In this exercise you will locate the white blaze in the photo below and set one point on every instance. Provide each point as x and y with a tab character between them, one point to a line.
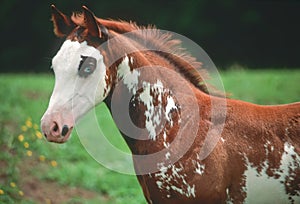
71	89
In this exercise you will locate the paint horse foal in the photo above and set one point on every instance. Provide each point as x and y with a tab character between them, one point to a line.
256	160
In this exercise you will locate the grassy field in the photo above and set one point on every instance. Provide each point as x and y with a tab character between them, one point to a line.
35	171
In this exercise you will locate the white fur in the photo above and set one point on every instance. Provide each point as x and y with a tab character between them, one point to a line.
130	78
199	168
153	113
261	188
175	180
170	106
72	92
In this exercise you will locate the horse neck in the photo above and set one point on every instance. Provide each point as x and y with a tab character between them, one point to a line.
150	81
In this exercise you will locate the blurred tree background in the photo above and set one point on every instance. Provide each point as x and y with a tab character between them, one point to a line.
253	33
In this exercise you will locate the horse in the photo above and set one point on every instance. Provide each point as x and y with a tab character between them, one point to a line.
256	158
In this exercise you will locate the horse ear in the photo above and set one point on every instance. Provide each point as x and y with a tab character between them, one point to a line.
104	32
62	24
94	27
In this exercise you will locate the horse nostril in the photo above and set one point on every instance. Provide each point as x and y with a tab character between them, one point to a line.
55	127
64	130
45	135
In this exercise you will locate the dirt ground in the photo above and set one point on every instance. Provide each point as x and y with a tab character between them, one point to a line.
49	192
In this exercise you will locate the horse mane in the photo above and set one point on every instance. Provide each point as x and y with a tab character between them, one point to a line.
170	48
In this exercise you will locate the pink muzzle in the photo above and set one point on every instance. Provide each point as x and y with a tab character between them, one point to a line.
57	128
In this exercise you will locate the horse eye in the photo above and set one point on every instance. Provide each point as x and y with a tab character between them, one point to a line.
87	66
87	69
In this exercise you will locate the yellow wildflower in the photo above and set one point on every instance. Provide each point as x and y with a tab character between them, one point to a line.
38	134
42	158
21	138
28	123
21	193
24	128
35	126
29	153
1	192
53	163
13	184
26	145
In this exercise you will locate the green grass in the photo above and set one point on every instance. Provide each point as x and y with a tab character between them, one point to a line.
25	98
263	86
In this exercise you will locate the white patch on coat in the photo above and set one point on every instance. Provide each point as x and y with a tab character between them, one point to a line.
165	143
173	178
147	99
228	198
170	106
159	184
261	188
167	155
153	113
130	77
266	146
154	121
200	168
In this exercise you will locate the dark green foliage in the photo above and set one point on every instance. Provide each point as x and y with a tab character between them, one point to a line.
252	33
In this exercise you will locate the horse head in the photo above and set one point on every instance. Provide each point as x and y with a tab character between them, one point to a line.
81	79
